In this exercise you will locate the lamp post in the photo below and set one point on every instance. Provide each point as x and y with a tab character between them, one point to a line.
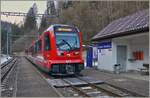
8	40
7	43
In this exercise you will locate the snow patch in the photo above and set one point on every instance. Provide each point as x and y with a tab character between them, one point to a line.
4	58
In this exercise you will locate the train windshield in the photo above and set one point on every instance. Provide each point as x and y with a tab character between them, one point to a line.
67	41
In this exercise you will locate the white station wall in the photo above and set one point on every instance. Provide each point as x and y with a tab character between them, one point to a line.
139	43
133	43
107	58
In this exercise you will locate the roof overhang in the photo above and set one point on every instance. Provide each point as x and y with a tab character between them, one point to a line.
131	32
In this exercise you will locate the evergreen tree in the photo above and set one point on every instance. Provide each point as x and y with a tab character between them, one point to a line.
30	21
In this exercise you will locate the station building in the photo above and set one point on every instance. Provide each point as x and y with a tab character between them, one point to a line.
124	41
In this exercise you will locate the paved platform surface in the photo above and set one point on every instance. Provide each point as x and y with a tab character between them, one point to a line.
30	83
135	85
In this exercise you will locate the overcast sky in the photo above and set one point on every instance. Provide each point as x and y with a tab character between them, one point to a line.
20	6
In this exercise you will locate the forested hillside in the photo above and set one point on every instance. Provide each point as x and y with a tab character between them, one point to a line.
93	16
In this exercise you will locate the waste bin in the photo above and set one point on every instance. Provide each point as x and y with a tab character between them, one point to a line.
117	68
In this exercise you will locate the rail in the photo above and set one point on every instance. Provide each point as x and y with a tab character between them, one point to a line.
113	90
6	63
77	89
5	69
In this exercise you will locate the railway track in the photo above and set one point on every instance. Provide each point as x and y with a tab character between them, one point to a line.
84	91
8	76
99	90
6	68
6	63
90	89
108	89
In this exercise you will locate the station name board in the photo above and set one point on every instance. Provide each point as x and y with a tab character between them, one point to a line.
105	45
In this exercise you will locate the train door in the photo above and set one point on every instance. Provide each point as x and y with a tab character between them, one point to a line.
47	45
39	46
122	57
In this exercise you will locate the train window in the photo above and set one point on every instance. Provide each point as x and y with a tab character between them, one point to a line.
46	42
39	45
36	47
67	41
32	49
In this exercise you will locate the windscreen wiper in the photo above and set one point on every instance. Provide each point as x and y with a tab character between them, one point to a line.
67	43
64	42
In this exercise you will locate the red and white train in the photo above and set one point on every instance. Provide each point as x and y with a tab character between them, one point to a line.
58	50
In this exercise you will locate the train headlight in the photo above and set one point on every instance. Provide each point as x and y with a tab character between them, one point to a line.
60	53
76	53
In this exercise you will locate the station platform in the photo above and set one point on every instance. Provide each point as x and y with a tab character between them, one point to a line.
137	86
30	83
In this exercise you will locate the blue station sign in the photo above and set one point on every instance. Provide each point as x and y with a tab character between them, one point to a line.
104	45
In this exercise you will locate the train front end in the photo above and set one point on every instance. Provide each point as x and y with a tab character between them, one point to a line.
67	58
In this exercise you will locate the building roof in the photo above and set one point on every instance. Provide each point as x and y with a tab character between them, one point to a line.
132	24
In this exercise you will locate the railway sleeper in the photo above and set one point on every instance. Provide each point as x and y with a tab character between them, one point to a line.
113	90
110	90
80	92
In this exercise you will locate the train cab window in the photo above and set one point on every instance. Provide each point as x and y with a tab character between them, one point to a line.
47	42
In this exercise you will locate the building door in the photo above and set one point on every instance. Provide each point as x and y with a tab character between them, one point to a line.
122	57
